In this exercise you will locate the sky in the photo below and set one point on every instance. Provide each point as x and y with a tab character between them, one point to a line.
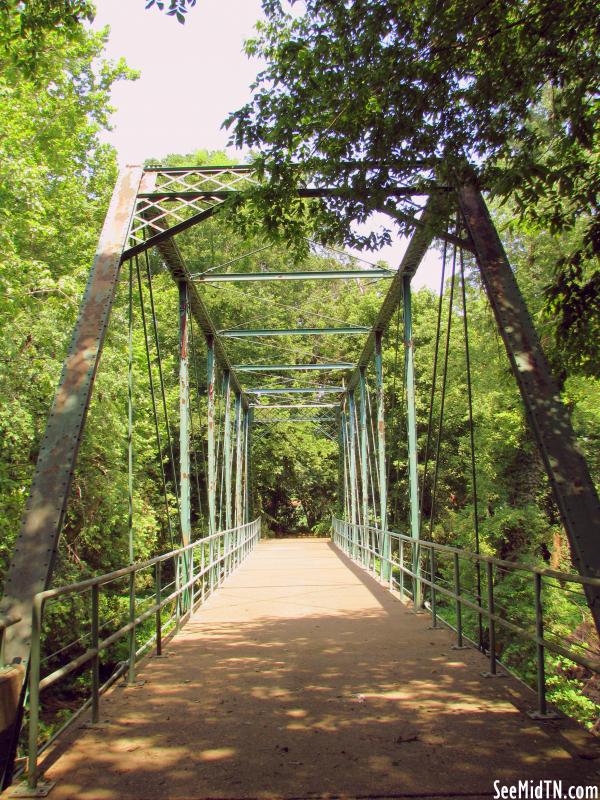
192	77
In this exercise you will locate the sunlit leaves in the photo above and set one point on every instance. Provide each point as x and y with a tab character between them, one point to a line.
174	8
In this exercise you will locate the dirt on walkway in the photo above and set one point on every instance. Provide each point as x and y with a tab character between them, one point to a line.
302	676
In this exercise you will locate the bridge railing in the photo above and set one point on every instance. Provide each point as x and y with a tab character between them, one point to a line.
159	593
431	573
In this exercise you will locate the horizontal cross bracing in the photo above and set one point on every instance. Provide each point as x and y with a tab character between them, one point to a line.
332	275
339	365
268	407
236	333
279	420
303	390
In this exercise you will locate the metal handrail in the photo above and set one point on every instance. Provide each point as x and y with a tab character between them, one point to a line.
220	554
350	537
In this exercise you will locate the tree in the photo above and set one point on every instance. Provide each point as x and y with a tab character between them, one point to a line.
175	8
368	94
55	182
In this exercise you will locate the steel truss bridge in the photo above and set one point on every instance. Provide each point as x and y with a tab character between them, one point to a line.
149	208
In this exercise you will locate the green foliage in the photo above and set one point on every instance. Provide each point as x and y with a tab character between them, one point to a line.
175	8
55	181
370	94
330	98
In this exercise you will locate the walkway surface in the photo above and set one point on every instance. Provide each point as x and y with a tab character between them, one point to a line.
302	676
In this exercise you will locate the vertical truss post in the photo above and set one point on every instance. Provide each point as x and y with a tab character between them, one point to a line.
184	416
385	539
239	453
211	466
353	480
413	478
549	420
250	510
245	513
347	490
227	449
184	438
131	639
340	484
364	464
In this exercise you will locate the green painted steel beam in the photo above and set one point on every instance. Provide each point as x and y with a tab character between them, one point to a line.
211	456
385	570
338	365
353	474
251	332
411	427
363	456
303	390
227	450
436	209
184	418
239	480
332	275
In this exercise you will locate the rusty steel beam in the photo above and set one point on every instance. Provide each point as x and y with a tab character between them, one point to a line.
31	566
549	420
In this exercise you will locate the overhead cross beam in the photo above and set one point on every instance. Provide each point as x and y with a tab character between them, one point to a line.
331	275
259	407
296	390
240	333
339	365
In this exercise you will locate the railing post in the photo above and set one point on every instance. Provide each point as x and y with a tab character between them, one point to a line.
192	579
432	560
491	622
131	669
401	562
539	635
203	569
34	692
459	634
96	659
158	620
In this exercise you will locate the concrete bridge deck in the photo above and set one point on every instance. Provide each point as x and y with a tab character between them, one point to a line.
302	676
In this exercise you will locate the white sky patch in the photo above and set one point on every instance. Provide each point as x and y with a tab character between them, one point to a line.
192	77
